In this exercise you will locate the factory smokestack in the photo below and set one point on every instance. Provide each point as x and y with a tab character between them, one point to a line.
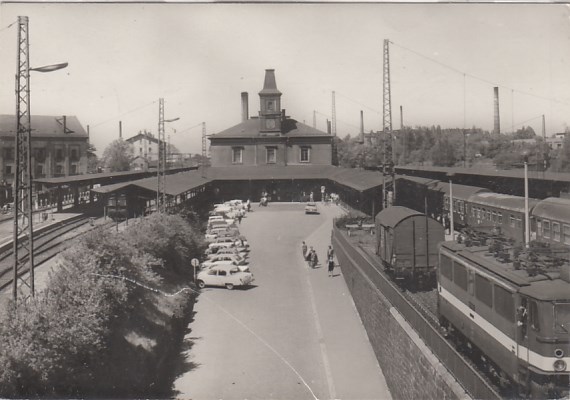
401	118
328	127
361	140
120	129
244	107
497	118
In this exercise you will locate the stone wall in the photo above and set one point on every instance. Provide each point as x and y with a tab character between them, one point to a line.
411	370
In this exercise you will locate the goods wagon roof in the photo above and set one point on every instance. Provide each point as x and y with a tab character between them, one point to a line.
553	208
460	191
419	180
392	216
499	200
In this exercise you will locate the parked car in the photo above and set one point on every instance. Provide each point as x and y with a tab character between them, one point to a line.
311	208
208	265
227	250
229	258
228	276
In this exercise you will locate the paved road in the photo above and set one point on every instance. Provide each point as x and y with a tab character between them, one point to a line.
294	335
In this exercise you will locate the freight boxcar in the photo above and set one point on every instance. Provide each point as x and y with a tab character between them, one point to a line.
407	243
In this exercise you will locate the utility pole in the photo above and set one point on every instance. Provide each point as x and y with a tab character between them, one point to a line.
204	148
388	186
315	119
333	114
23	242
161	173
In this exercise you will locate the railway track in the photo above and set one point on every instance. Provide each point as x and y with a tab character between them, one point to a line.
424	303
47	244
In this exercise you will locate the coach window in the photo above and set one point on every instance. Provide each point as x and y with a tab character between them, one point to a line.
445	267
556	231
566	233
511	220
494	216
460	276
504	303
500	218
539	227
483	290
533	314
546	229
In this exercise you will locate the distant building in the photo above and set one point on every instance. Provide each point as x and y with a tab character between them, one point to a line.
145	151
59	147
556	141
272	138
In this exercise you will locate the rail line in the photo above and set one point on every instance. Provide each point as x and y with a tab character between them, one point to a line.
417	312
47	244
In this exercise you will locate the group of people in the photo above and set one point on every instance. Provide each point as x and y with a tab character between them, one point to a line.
310	255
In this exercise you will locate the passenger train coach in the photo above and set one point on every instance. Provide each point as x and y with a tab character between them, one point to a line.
480	208
518	318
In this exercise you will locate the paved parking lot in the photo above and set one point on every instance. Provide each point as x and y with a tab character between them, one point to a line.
294	334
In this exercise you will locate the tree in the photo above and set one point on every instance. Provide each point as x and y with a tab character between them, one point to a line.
442	154
562	161
118	156
92	159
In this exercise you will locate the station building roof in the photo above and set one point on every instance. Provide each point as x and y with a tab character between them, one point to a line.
46	126
174	185
252	128
491	173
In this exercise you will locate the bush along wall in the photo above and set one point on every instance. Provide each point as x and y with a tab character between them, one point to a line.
106	324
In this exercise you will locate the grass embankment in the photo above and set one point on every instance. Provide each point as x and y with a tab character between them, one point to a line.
106	325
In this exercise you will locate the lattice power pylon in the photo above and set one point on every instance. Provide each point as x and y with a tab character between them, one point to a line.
23	239
388	186
161	173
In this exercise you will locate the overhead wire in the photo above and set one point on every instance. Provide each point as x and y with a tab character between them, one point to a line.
9	26
477	77
126	113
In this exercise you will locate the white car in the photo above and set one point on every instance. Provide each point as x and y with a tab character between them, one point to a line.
226	250
208	264
216	258
311	208
225	276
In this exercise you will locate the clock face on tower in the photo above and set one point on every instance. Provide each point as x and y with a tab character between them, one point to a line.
270	123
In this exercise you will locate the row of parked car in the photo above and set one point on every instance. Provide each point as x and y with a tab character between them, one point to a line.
226	258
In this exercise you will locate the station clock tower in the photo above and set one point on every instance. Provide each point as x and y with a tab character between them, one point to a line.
270	111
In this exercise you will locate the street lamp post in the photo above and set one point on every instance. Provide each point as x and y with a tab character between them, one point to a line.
526	212
451	225
23	244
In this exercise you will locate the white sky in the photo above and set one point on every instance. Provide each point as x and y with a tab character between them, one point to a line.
200	57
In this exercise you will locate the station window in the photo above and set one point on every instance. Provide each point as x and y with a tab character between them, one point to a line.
483	290
8	170
504	303
237	155
271	155
74	154
58	154
556	231
9	153
445	267
566	233
546	229
305	155
460	276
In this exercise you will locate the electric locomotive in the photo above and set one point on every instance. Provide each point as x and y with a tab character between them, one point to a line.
513	310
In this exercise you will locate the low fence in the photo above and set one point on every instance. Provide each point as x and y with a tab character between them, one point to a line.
356	264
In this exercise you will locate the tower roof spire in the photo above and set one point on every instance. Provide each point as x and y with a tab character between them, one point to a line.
269	85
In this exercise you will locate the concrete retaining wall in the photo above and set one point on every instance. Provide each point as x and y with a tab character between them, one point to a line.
411	370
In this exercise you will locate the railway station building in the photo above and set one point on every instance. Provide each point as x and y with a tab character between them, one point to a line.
270	139
59	147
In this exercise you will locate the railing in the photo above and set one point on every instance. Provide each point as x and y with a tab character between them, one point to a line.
475	384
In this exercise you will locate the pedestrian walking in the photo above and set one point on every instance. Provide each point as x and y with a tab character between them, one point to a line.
331	266
330	252
304	249
311	197
239	217
313	258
